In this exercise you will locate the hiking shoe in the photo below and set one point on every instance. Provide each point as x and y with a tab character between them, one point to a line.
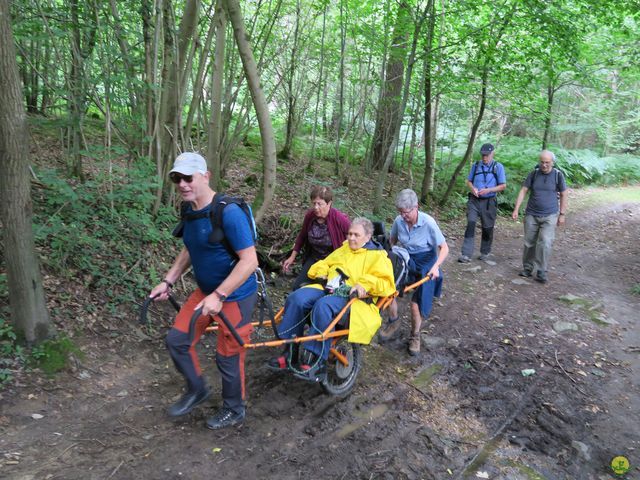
225	417
389	329
188	402
414	345
525	273
541	277
484	256
464	259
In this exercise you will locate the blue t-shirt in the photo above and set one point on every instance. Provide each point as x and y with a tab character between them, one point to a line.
211	262
482	176
424	236
543	199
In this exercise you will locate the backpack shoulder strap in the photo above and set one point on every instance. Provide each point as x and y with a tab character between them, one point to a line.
184	206
178	231
533	177
218	204
220	201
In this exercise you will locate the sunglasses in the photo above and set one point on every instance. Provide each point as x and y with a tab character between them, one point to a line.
177	177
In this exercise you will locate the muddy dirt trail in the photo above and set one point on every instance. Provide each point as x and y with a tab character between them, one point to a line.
462	409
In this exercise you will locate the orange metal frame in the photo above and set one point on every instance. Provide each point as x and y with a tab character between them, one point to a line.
382	304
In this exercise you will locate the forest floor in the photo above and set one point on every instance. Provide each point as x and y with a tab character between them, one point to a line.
462	408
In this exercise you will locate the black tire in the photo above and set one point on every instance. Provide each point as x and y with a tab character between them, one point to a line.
340	379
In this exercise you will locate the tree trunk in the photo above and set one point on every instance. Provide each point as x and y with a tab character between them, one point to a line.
472	136
200	75
429	134
547	121
382	175
338	122
83	38
291	98
170	106
217	75
126	59
320	82
46	89
29	313
265	195
149	64
389	107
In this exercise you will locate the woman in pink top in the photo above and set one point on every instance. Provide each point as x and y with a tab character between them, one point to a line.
324	229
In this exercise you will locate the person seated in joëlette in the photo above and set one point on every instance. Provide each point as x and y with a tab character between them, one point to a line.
360	267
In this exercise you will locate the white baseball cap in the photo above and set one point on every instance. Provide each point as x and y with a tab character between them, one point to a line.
189	163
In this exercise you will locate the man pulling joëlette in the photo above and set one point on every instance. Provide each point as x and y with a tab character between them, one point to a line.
226	283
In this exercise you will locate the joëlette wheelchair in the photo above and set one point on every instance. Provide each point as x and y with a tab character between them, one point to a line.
345	358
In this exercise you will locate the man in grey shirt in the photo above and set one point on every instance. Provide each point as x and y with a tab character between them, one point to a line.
543	213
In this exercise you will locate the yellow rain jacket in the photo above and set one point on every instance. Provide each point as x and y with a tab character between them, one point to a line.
369	267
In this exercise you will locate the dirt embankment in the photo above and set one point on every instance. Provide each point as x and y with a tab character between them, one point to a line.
462	408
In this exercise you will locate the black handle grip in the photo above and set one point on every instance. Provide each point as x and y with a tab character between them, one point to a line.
142	318
225	320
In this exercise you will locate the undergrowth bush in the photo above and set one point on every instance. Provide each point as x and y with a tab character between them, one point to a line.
52	356
11	352
103	230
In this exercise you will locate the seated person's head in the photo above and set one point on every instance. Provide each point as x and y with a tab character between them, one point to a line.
360	232
321	198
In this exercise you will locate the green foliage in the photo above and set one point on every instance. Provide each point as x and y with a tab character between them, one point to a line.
635	290
103	229
11	352
52	356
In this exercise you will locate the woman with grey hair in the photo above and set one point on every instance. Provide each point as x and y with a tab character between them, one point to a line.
406	199
420	235
360	267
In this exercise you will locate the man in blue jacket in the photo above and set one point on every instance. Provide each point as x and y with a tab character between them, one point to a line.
485	180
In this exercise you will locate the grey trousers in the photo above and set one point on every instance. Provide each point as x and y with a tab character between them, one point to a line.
485	210
539	234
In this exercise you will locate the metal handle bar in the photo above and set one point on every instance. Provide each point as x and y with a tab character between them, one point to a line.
142	318
225	320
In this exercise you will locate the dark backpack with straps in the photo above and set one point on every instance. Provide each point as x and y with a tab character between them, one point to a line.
557	172
220	201
493	171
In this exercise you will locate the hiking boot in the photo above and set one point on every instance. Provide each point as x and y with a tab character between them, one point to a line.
541	276
525	273
389	329
464	259
225	417
188	402
414	344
